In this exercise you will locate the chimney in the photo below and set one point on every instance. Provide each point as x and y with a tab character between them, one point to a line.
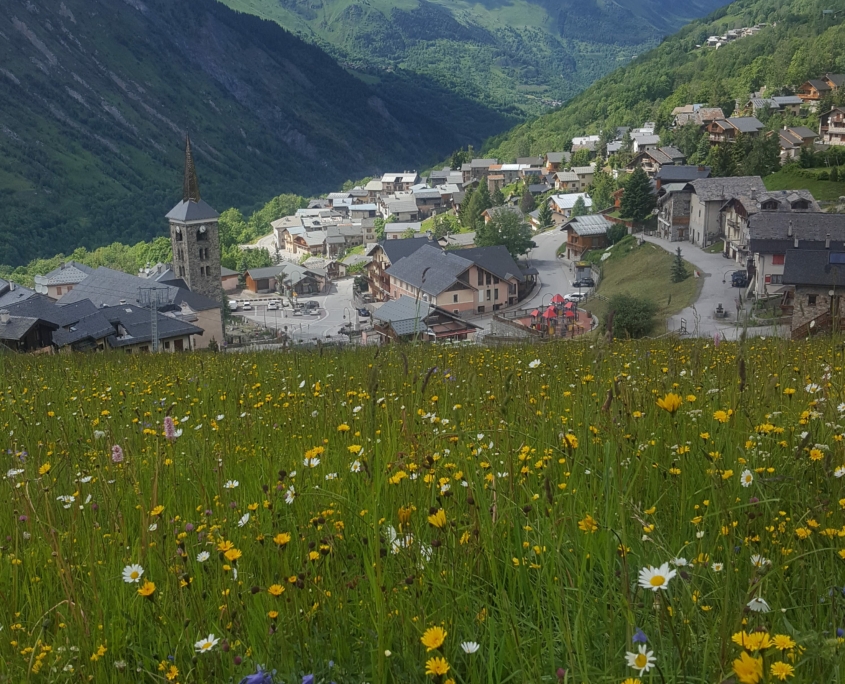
796	243
789	232
122	301
827	241
4	316
12	286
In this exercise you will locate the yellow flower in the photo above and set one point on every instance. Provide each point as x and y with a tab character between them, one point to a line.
570	440
281	539
789	391
147	589
748	669
273	614
172	673
721	416
436	667
44	469
405	514
438	520
224	545
588	525
158	510
433	638
816	454
671	402
782	642
781	670
232	555
755	641
690	398
631	680
343	427
275	590
705	436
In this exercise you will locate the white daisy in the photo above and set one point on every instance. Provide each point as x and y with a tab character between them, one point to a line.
311	462
205	645
14	472
534	363
331	476
132	573
656	578
812	388
290	495
746	478
153	527
759	561
66	499
470	646
679	562
643	660
355	467
202	556
231	484
244	520
717	567
839	472
759	605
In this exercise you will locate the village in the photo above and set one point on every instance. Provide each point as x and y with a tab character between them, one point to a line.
388	260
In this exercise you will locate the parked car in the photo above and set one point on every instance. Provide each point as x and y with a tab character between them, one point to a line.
233	305
363	313
574	297
584	282
739	279
368	298
246	306
310	306
273	306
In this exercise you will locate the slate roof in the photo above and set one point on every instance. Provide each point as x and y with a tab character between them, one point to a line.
539	188
430	269
804	132
746	124
496	259
819	85
401	227
768	231
681	173
646	140
405	315
106	287
493	212
92	327
224	272
136	322
265	272
787	100
10	296
461	239
593	224
399	249
836	79
567	176
568	201
402	206
186	212
711	189
44	308
17	327
483	163
68	273
813	267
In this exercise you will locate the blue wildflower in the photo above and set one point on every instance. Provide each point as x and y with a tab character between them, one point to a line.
308	679
639	637
261	676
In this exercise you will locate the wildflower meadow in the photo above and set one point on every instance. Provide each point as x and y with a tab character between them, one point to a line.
654	512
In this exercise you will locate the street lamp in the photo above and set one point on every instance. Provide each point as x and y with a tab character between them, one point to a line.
543	299
724	275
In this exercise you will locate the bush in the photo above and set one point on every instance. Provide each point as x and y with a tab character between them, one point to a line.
823	176
630	316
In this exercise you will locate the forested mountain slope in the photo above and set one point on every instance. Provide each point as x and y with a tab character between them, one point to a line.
97	96
802	40
517	55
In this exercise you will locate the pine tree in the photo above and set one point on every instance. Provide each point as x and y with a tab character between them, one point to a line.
545	217
638	200
527	203
579	208
497	198
679	271
721	162
834	174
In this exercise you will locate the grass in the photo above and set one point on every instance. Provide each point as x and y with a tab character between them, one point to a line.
789	180
318	513
645	271
716	247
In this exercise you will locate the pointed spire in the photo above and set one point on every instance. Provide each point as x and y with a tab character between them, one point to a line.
190	186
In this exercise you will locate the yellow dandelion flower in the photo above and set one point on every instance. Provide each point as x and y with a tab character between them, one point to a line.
438	519
433	638
670	403
436	667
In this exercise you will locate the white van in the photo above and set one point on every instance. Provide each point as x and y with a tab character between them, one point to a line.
233	305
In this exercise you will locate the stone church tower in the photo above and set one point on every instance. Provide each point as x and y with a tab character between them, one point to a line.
194	236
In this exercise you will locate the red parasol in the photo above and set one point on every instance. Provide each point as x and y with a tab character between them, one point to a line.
535	313
557	299
549	313
569	314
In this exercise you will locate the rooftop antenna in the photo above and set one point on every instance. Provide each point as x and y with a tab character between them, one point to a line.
150	299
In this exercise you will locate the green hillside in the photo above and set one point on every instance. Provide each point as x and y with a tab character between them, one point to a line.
97	97
520	56
802	40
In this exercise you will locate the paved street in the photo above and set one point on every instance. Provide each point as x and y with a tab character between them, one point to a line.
700	317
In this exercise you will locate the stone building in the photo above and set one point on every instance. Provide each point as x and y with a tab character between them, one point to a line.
818	278
194	236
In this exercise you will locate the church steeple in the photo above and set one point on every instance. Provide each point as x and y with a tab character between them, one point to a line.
190	185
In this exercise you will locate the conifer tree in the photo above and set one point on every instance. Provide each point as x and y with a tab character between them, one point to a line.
679	271
638	200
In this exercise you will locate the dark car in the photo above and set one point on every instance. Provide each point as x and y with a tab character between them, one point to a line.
363	313
310	305
739	279
584	282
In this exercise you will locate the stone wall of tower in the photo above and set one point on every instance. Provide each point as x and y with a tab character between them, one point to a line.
196	259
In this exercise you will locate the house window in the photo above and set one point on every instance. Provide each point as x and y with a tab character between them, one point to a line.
480	277
777	279
778	259
811	300
496	293
480	309
454	299
488	295
58	290
489	279
167	344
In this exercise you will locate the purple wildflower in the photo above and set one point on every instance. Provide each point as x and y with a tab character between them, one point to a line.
169	428
261	676
117	454
639	637
308	679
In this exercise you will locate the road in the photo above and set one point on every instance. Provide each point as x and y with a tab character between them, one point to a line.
699	318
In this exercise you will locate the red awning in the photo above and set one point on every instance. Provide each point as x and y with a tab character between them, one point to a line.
535	313
557	299
569	305
549	313
569	314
